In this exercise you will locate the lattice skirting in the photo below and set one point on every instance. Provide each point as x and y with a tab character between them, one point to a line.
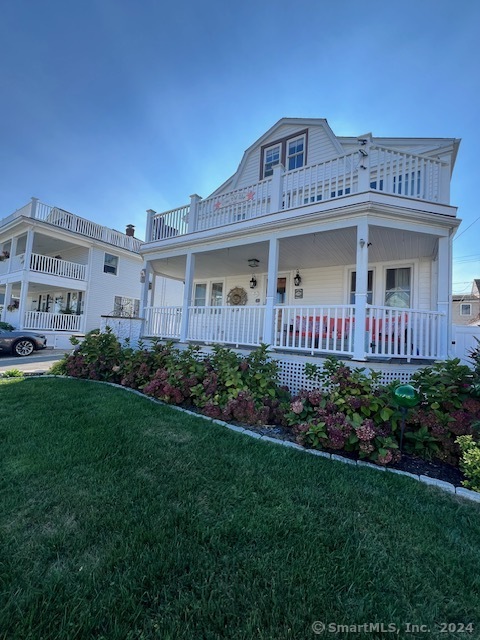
292	369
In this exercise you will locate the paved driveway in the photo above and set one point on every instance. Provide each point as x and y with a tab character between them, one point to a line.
39	362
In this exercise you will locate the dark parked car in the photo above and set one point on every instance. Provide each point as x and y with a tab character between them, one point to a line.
21	343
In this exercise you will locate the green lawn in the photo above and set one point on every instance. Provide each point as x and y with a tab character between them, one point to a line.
123	519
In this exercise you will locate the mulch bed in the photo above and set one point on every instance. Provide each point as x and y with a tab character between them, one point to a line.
411	464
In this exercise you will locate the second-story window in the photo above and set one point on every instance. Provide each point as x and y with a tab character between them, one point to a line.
466	310
296	149
291	152
110	264
272	158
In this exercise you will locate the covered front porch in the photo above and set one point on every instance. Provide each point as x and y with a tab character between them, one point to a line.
372	288
39	307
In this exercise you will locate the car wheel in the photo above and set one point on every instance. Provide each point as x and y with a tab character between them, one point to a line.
23	347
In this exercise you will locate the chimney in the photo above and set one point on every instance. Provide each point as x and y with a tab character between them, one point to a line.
130	230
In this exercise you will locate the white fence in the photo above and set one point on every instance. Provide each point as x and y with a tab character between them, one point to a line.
463	341
41	320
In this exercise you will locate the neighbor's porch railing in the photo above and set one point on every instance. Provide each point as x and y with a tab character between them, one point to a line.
57	267
41	320
372	168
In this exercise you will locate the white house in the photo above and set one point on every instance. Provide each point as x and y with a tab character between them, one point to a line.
59	273
318	244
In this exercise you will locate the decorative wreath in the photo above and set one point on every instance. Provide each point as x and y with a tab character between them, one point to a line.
237	296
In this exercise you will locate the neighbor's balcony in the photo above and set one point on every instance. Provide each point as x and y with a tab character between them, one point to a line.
41	320
389	332
71	222
373	168
45	264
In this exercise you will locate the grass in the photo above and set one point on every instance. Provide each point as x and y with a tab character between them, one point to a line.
122	519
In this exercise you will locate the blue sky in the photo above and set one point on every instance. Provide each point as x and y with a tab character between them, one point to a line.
112	107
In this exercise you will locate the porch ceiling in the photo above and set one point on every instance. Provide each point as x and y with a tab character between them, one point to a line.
330	248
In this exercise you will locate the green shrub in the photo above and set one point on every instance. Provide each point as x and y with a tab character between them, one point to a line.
350	412
449	408
13	373
59	368
470	461
6	326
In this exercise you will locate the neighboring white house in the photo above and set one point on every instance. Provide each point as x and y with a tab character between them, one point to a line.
59	273
318	244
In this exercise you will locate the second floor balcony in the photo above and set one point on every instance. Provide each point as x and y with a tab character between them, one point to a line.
45	265
371	168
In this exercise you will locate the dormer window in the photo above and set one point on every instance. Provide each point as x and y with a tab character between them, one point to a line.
272	158
291	152
296	151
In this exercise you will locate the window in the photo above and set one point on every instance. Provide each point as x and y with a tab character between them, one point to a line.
216	294
398	287
272	158
208	291
465	309
126	307
281	291
295	153
353	287
110	264
200	295
291	152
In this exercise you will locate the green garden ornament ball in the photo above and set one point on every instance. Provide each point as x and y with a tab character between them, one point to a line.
406	395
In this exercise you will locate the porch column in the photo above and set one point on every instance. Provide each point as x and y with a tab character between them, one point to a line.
444	287
149	228
361	291
8	297
28	251
187	295
276	198
13	251
192	215
22	304
364	163
144	303
269	320
33	208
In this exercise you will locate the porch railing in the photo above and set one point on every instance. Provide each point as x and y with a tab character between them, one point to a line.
227	325
388	332
57	267
163	322
378	169
326	329
41	320
404	333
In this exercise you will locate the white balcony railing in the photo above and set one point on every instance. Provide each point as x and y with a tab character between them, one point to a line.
57	267
72	222
378	169
41	320
389	332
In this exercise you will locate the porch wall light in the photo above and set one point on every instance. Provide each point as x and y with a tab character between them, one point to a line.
297	280
253	262
253	283
361	243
